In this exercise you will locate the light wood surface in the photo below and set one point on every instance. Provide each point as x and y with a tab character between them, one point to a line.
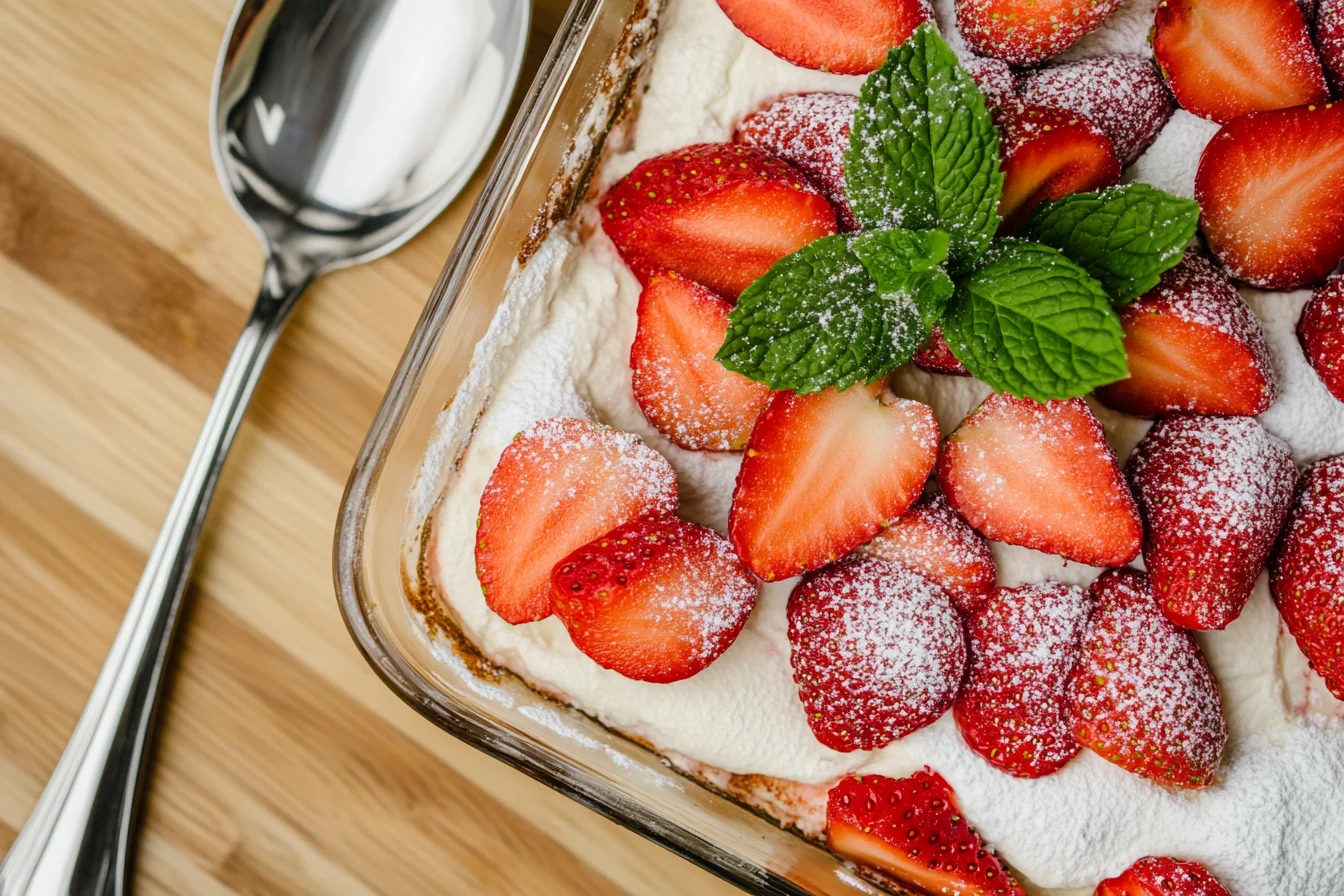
283	765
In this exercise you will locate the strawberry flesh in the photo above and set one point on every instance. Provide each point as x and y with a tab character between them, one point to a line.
1048	153
849	37
1321	332
1025	32
1162	876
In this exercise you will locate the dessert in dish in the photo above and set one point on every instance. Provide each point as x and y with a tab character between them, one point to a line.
768	346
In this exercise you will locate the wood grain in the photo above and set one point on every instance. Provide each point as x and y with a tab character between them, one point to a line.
283	765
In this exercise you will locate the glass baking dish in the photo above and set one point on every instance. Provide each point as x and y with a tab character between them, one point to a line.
538	179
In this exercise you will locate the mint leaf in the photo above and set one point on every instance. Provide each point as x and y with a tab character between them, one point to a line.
907	264
1124	236
923	151
1031	322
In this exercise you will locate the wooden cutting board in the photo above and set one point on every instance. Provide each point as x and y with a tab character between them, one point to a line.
283	765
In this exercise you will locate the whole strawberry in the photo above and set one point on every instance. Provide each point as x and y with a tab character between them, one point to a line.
1321	332
1162	876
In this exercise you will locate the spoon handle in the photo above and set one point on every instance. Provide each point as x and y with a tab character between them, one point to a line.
76	842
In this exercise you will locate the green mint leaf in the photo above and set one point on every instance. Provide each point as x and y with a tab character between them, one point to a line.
1124	236
1031	322
923	150
907	265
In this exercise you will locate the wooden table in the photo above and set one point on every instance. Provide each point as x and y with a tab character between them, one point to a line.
283	765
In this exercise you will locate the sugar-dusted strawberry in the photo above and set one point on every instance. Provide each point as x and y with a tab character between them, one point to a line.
718	213
561	483
1142	695
1048	153
849	37
694	400
824	473
1023	644
937	357
1122	95
912	829
1271	188
1193	345
1162	876
933	540
1213	493
1307	572
1041	476
657	599
996	81
1321	332
1329	31
1025	32
1224	58
810	130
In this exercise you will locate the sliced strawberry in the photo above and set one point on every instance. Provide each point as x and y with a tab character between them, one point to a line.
1271	187
1025	32
692	399
656	599
561	483
912	829
877	652
1321	332
1141	694
1023	644
1048	153
1041	476
1193	345
936	357
1306	575
995	79
1122	95
933	540
1329	30
849	37
824	473
810	130
1213	493
1224	58
718	213
1162	876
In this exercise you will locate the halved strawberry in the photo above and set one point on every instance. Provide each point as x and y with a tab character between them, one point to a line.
1329	31
1321	332
1141	694
558	485
1023	644
1162	876
1025	32
1193	345
996	81
692	399
1224	58
849	37
1213	493
1041	476
937	357
824	473
877	651
810	130
657	599
1271	188
912	829
1048	153
718	213
1306	575
933	540
1122	95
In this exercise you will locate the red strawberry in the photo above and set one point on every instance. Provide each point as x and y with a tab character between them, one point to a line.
1041	476
694	400
936	357
912	829
1329	32
1271	187
933	540
1321	332
561	483
1193	345
656	599
810	130
1141	694
1122	95
1162	876
718	213
995	79
1213	493
1224	58
1306	575
1025	32
877	652
824	473
849	37
1023	644
1048	153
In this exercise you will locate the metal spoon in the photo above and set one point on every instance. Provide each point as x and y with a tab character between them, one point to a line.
340	128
